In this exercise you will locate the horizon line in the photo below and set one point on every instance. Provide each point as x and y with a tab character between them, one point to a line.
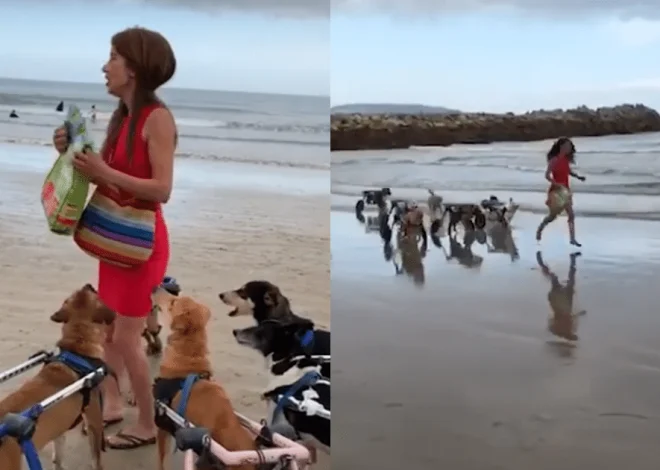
22	79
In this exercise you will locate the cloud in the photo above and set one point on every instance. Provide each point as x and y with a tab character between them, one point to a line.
566	9
636	32
282	8
296	8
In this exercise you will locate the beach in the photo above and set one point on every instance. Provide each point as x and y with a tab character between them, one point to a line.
461	369
229	223
463	360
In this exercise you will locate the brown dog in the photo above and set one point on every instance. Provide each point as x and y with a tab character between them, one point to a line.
208	404
83	317
412	224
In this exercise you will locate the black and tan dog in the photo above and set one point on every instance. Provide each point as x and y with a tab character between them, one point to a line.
265	303
261	300
83	317
279	343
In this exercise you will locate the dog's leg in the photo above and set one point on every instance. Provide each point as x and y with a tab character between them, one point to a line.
58	452
93	416
163	440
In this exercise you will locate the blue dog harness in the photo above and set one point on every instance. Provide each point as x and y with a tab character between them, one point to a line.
82	366
164	390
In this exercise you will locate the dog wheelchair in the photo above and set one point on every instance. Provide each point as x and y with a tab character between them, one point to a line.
372	197
275	451
477	215
22	426
199	448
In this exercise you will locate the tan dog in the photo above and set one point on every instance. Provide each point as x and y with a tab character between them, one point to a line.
412	224
83	317
208	404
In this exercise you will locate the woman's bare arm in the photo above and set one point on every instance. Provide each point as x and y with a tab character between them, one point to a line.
160	132
548	170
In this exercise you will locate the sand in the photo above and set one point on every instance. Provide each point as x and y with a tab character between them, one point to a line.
462	372
228	224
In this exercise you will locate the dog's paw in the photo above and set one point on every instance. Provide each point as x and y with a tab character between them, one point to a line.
58	451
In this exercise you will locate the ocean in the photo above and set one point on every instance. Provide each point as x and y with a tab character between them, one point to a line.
283	130
623	174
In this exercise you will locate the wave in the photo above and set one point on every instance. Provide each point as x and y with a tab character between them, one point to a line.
195	156
491	162
314	129
42	100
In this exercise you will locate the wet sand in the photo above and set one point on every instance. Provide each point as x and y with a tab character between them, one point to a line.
462	372
228	224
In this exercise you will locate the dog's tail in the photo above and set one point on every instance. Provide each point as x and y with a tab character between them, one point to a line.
431	192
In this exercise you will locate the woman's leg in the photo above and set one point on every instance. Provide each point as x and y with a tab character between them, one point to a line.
571	223
127	340
552	215
113	407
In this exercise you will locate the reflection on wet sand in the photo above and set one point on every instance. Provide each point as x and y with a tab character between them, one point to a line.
410	259
563	322
459	374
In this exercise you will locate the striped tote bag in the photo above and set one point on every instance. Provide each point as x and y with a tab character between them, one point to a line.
117	230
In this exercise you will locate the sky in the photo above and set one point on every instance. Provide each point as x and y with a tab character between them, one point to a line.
278	46
496	55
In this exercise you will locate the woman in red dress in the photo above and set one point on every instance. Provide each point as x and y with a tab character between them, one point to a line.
558	172
137	159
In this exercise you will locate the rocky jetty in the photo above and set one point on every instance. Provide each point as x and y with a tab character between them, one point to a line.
388	131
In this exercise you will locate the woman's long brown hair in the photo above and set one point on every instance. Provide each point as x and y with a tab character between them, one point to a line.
151	58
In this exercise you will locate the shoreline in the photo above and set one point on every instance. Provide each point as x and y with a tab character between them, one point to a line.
465	360
226	228
209	174
295	164
383	131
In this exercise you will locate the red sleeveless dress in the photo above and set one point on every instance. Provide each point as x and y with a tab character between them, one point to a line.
128	291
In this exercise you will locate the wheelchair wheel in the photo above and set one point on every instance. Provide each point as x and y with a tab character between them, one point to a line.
479	219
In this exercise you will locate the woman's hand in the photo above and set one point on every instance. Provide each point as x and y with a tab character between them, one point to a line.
61	139
92	165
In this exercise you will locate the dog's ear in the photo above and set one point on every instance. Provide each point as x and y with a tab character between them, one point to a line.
294	322
181	324
272	296
206	315
103	315
188	323
61	316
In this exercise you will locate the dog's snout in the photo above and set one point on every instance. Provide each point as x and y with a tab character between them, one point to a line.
235	332
222	296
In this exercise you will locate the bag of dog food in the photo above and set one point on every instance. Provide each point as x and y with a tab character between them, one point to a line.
64	192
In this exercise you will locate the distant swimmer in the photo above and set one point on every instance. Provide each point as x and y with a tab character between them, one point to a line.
92	113
60	107
13	114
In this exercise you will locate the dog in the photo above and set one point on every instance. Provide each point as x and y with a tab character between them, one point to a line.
83	317
154	344
434	203
376	197
412	224
279	343
261	300
264	302
208	405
